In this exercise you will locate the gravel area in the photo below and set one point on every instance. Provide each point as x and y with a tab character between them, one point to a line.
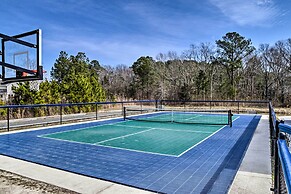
16	184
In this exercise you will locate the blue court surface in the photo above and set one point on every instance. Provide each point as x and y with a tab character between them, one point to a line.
138	158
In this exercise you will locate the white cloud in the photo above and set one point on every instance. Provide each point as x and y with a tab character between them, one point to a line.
164	20
248	12
111	51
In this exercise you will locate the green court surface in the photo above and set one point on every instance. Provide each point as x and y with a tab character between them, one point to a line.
151	137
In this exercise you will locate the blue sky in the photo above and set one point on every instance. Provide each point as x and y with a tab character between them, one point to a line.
120	31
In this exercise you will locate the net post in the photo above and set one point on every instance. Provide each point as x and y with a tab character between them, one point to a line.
230	118
124	113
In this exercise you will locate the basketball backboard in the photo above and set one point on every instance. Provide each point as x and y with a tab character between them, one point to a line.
21	57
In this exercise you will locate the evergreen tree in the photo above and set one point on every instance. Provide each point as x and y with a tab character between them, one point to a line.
78	78
23	94
143	68
232	50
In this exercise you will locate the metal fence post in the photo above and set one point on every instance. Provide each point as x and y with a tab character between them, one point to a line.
96	109
141	107
276	154
8	115
122	106
238	107
61	114
271	126
124	113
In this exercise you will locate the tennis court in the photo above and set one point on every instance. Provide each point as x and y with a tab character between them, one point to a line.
165	139
170	154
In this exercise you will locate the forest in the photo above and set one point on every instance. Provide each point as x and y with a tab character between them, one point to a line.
229	69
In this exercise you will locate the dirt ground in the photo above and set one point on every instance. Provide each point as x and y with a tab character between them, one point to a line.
16	184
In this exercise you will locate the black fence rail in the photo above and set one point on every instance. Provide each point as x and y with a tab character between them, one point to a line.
27	116
280	155
237	106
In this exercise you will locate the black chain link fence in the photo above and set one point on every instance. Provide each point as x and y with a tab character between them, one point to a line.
282	134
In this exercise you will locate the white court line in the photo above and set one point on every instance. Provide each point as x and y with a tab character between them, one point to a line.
69	130
131	134
193	117
65	125
80	123
94	144
185	131
201	141
155	153
166	129
98	143
133	150
71	141
235	118
79	129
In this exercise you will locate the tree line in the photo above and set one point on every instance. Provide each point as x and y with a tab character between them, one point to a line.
230	69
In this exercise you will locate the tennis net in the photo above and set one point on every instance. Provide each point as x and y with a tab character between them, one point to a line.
189	116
